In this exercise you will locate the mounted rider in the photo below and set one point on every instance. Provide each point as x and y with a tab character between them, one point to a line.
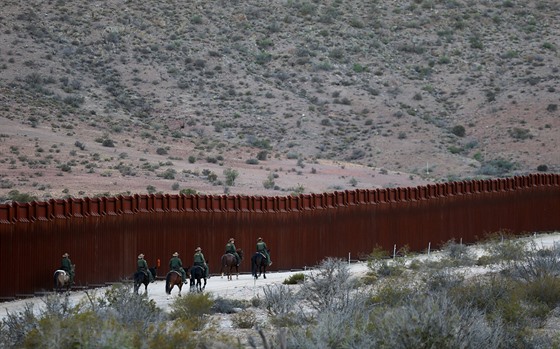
262	249
230	248
199	260
67	266
176	264
143	267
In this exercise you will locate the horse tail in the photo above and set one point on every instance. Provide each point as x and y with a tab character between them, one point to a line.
55	280
167	288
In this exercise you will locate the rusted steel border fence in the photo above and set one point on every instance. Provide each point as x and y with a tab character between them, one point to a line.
105	235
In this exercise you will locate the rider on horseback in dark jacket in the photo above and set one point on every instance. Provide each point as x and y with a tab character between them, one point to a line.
66	265
230	248
261	248
143	267
200	261
177	265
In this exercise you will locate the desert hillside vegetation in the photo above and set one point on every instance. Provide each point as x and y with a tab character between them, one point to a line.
201	96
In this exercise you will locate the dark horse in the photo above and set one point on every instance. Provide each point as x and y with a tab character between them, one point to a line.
258	265
172	279
142	278
228	263
62	279
197	274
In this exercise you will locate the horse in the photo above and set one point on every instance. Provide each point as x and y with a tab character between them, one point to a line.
141	277
62	279
172	279
197	273
258	265
228	262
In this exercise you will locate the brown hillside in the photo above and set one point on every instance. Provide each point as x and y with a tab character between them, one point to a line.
279	97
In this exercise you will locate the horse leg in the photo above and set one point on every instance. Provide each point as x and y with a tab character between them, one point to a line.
264	272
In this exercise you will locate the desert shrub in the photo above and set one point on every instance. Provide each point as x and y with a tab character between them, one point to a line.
252	161
262	155
231	176
129	308
457	254
108	143
193	309
434	321
542	168
544	290
443	279
16	325
269	182
496	167
329	286
504	251
484	293
244	319
116	319
536	263
279	300
295	279
520	133
161	151
227	306
15	195
458	130
187	191
340	328
393	294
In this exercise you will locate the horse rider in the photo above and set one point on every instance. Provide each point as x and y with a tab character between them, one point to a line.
143	267
177	265
230	248
261	248
199	260
66	265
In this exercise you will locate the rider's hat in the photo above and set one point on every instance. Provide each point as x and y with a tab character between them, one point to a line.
175	254
141	255
66	255
259	239
231	239
198	249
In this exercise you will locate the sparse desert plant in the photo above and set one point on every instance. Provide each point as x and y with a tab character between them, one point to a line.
279	300
244	319
329	286
188	191
294	279
231	176
269	182
458	130
194	308
434	321
151	189
457	253
228	306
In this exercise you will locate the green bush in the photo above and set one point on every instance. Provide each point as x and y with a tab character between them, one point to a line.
193	308
294	279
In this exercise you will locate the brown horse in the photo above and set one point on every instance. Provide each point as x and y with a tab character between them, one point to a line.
173	279
228	263
62	279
